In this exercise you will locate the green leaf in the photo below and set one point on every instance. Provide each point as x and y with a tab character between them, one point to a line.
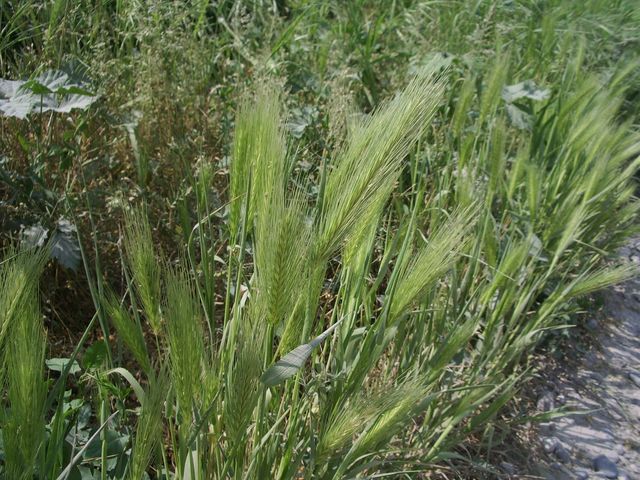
436	60
58	365
36	88
135	385
526	89
95	355
288	365
64	242
301	118
74	90
52	91
64	245
518	117
117	443
83	473
34	236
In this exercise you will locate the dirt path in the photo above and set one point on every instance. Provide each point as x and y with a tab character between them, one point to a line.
605	383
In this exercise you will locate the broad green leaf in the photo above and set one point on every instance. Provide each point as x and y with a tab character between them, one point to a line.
434	60
64	245
59	364
8	88
526	89
300	119
117	443
519	118
288	365
34	236
95	355
52	91
85	473
36	88
64	242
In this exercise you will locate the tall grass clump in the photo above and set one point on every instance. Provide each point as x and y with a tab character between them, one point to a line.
370	329
434	307
22	363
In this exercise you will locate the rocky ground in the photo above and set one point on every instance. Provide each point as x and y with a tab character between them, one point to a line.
601	384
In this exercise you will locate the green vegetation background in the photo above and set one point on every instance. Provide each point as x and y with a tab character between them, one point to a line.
232	201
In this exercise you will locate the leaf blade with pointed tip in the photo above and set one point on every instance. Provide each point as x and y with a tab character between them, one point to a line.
59	364
288	365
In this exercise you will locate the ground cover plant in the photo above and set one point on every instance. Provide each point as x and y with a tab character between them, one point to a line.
314	239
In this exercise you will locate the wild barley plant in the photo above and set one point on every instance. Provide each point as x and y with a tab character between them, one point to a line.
448	352
434	310
291	244
23	346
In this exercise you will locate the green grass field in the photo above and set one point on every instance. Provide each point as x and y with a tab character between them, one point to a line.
300	239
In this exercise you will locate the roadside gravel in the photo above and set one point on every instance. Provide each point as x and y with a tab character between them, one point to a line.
603	439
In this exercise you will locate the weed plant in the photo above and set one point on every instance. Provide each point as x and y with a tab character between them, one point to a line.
363	293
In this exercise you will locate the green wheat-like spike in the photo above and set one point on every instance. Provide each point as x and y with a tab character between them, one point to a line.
128	330
23	355
148	434
432	261
365	171
141	258
185	338
258	164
